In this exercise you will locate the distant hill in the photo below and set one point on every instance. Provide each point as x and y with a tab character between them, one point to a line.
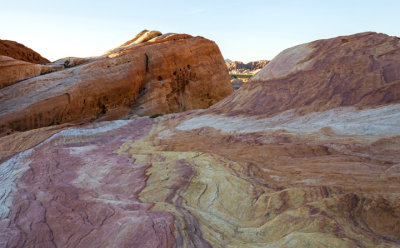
241	72
238	67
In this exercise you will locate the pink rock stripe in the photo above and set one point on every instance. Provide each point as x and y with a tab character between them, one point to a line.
76	192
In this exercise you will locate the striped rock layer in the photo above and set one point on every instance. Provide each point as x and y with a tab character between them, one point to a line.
270	166
150	74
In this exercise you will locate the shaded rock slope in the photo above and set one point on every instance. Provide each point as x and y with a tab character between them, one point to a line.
151	74
270	166
20	52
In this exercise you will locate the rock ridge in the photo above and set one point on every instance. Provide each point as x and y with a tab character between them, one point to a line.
20	52
168	73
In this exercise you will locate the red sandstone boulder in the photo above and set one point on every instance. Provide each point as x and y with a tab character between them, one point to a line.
158	75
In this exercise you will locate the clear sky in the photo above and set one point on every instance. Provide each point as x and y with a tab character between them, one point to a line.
244	30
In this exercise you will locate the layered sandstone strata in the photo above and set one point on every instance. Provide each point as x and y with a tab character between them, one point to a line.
13	71
153	74
296	175
18	62
361	70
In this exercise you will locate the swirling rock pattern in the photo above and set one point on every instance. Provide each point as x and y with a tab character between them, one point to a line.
212	178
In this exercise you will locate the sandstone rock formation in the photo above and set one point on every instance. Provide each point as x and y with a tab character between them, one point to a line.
241	73
13	71
17	62
141	37
247	172
20	52
360	70
168	73
238	67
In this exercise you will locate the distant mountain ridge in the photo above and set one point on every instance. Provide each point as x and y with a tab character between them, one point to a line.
238	67
241	72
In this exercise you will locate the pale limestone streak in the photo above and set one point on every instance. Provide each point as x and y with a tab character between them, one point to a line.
378	122
10	171
14	168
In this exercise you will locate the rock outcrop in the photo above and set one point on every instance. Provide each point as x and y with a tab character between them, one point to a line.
238	67
246	172
360	70
20	52
241	73
153	74
141	37
13	71
17	63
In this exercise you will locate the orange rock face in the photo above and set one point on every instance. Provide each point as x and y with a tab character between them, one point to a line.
20	52
13	71
247	172
166	74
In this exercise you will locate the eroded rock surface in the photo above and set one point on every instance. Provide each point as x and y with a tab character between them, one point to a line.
13	71
154	74
359	70
296	176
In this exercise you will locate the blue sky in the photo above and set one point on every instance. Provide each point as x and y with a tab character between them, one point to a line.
244	30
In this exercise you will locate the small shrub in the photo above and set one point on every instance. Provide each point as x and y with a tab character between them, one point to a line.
156	115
